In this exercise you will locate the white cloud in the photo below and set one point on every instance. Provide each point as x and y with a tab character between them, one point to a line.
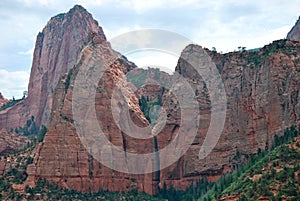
141	6
280	32
28	52
224	24
13	83
40	2
143	59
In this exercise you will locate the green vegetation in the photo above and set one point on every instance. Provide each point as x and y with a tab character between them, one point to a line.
32	131
146	107
50	191
137	80
269	174
30	128
289	134
68	78
13	101
16	174
258	57
10	103
196	190
242	49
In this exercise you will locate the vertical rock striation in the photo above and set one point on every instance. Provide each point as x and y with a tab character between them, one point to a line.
263	98
56	51
262	93
63	158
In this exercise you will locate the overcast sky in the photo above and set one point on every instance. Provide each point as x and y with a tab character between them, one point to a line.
224	24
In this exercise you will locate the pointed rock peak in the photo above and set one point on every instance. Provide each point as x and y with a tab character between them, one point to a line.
77	8
79	18
57	49
294	34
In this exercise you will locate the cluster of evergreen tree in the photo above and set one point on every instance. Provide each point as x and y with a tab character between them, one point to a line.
146	105
205	191
197	189
289	134
13	101
238	182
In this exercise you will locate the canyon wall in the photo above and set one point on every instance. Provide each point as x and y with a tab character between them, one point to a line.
56	51
262	91
63	158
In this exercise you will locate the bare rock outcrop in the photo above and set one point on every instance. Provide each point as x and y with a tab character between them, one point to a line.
149	83
263	98
63	158
2	100
56	51
294	34
10	142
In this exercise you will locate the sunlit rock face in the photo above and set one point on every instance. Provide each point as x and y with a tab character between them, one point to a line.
56	51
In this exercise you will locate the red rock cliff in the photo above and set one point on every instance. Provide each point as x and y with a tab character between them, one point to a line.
56	51
62	157
263	98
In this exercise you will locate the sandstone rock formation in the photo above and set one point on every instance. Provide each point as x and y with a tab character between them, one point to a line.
294	34
2	100
149	82
263	93
263	99
10	142
56	51
63	158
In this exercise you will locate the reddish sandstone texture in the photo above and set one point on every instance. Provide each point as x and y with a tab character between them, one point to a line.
10	142
56	51
2	100
263	99
62	157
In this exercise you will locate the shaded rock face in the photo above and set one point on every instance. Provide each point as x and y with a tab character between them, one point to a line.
262	92
56	51
2	100
63	158
263	98
149	82
10	142
294	34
